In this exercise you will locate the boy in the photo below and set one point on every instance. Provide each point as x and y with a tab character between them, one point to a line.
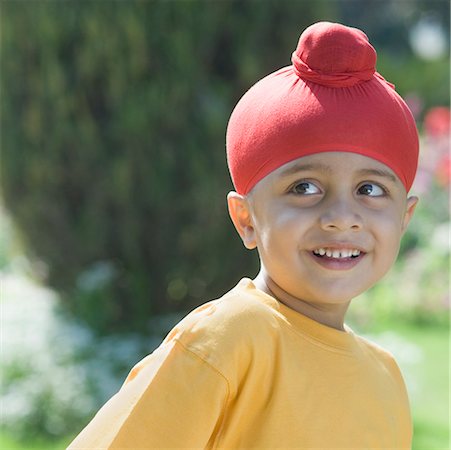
322	154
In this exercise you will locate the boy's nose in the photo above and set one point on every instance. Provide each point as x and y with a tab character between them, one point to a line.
341	216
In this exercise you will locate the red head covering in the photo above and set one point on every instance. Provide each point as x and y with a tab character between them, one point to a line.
330	99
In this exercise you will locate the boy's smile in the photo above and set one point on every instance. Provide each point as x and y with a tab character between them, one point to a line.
327	227
338	257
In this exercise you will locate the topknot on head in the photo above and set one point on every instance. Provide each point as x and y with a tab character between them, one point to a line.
334	55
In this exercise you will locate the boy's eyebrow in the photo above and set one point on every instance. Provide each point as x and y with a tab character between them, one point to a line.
328	169
378	173
299	167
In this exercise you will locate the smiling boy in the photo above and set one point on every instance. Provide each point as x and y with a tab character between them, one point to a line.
322	155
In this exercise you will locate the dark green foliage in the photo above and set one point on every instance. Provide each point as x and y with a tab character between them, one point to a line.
113	123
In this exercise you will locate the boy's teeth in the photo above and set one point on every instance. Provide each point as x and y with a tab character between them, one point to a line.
333	253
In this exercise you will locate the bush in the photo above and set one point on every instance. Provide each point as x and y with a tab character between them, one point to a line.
56	372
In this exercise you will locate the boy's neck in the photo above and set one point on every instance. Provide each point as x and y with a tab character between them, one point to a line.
326	314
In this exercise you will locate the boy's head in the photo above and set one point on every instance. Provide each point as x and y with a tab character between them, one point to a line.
322	154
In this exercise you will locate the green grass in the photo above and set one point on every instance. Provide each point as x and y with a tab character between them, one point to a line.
426	372
430	400
9	443
427	375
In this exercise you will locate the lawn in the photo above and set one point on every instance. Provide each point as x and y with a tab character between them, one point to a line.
423	354
430	391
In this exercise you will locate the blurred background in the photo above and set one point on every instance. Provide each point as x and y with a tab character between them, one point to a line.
113	186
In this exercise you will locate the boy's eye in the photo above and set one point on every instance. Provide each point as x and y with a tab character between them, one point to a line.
306	188
371	189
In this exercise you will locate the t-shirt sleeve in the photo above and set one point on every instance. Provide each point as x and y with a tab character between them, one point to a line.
172	399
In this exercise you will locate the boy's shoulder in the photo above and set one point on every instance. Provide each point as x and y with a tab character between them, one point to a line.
237	313
383	356
238	322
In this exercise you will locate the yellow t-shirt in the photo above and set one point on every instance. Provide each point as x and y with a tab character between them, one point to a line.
245	371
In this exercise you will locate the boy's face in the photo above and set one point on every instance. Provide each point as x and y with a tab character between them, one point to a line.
327	226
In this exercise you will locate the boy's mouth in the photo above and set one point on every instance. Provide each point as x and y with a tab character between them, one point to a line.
334	253
333	258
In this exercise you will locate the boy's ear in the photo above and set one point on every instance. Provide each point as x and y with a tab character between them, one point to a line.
411	205
240	214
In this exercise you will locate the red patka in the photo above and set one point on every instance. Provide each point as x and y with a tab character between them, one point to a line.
330	99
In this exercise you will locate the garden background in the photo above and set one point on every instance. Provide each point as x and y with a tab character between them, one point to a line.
113	186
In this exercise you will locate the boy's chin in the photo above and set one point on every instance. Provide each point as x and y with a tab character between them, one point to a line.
324	297
316	292
336	296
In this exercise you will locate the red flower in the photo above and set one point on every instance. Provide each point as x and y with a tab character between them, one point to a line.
443	170
437	121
